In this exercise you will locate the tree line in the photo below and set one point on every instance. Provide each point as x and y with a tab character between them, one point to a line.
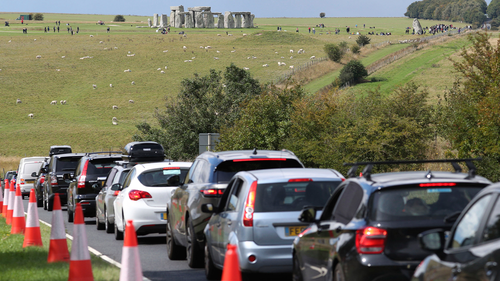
468	11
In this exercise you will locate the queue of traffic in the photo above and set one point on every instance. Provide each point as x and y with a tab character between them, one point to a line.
314	224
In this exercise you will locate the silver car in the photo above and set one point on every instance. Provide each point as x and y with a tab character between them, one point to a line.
259	213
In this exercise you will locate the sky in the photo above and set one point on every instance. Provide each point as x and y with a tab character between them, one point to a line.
260	8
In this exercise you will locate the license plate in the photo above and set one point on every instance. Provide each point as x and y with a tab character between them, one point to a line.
294	230
30	181
163	216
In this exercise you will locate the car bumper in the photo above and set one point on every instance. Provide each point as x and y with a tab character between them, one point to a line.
379	268
63	197
26	188
146	219
269	258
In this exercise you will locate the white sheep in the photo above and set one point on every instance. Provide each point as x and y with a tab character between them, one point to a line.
63	102
291	66
94	86
265	65
279	63
291	51
159	68
184	47
115	107
291	57
246	68
53	102
193	58
126	70
63	57
38	56
31	115
165	51
283	64
111	85
58	69
312	57
233	51
229	34
91	35
201	47
165	67
216	58
100	42
131	55
218	35
18	101
131	101
133	83
218	51
162	72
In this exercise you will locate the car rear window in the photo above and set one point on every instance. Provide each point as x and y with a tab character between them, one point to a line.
417	203
29	168
101	167
227	169
67	164
293	196
163	177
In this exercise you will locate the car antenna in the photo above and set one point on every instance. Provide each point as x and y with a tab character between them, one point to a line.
254	151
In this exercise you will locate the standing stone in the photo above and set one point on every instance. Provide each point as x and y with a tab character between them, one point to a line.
163	20
189	23
220	20
149	23
176	16
228	20
209	20
417	27
237	20
155	20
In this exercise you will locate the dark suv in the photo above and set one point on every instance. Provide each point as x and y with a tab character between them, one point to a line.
204	184
54	182
40	179
88	179
369	227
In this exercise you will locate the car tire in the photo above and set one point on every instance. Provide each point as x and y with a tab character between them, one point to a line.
118	233
70	215
99	225
296	273
338	274
39	203
174	251
194	255
211	272
109	227
44	203
50	205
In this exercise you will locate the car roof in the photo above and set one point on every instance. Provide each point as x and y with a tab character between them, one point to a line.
148	166
102	155
68	155
247	154
279	175
33	159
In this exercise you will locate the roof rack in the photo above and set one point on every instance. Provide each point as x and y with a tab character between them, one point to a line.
104	152
367	171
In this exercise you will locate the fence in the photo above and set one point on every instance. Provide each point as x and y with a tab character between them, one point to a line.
292	71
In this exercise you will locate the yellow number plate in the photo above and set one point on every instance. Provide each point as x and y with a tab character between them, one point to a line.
164	216
294	230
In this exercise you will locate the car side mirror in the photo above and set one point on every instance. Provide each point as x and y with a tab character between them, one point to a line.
433	240
34	174
96	186
308	215
116	186
208	208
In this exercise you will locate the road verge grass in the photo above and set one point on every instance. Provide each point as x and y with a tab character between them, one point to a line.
18	263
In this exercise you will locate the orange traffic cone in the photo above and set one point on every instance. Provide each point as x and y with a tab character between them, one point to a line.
6	198
131	265
18	220
231	269
10	207
58	249
32	235
80	268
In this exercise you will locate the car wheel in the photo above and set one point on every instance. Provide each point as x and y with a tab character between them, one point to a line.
194	254
70	215
211	272
44	203
296	272
50	205
107	225
118	233
99	225
174	251
338	275
39	202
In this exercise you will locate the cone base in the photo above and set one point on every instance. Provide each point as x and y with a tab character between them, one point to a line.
32	237
58	251
18	225
80	271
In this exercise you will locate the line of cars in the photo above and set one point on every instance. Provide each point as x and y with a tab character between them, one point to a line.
285	218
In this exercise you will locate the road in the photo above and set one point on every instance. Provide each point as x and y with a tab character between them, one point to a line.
152	250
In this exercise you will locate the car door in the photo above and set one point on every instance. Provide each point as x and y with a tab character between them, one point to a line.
485	254
229	217
101	196
118	204
460	246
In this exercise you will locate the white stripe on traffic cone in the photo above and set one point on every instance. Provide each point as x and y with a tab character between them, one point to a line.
131	264
80	267
6	198
10	207
32	234
58	249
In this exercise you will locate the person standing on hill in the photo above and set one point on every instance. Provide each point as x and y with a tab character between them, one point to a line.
297	30
309	30
314	31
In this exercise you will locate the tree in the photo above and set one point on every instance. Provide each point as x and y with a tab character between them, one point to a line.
355	49
352	72
363	40
38	16
321	15
334	52
119	18
203	105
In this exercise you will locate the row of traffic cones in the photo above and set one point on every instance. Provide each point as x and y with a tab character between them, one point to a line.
80	268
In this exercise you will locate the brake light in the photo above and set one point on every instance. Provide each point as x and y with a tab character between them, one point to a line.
135	195
299	180
53	180
259	159
171	168
83	176
212	192
434	184
22	181
370	240
42	179
249	206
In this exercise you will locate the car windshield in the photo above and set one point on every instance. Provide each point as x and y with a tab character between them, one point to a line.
293	196
227	169
66	164
420	203
163	177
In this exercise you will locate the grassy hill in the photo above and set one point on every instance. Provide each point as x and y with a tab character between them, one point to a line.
69	66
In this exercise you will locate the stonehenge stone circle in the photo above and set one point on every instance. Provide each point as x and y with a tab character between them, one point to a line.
203	17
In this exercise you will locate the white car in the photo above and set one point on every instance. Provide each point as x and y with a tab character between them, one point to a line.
144	196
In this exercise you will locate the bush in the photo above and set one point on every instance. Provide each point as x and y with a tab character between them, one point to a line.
334	52
352	72
38	16
321	15
119	18
343	45
363	40
355	49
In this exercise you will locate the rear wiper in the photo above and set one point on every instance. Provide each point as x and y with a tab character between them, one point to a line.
453	217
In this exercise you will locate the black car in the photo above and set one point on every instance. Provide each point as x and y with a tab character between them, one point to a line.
369	228
40	179
472	250
89	178
54	182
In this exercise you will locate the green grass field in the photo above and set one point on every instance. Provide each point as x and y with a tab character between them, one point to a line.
69	66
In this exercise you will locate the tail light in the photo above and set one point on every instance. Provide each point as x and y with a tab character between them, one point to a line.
249	206
42	179
370	240
53	180
22	181
300	180
83	176
135	195
212	192
434	184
